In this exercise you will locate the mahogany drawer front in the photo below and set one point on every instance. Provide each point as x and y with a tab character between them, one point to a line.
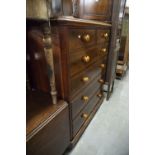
103	36
84	98
84	114
82	59
81	38
83	79
103	49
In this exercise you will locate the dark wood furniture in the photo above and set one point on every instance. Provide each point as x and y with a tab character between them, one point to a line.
80	50
47	123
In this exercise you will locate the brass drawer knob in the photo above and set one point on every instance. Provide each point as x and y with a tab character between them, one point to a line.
102	66
85	79
85	98
86	59
86	38
103	50
99	95
101	81
84	115
105	35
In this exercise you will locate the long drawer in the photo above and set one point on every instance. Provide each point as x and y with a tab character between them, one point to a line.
85	97
81	38
80	60
84	78
84	114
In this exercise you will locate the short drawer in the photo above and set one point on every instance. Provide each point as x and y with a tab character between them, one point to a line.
84	98
83	79
81	59
103	36
103	49
84	114
81	38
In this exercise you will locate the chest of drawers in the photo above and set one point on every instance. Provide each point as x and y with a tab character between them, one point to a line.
80	56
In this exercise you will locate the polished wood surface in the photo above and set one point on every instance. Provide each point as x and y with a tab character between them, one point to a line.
82	59
77	38
85	113
93	9
71	21
84	126
51	135
77	81
80	64
79	102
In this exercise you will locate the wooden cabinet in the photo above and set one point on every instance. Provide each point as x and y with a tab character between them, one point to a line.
79	51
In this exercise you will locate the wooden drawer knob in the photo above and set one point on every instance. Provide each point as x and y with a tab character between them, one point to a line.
85	98
86	38
102	66
101	81
86	59
99	95
103	50
85	79
84	115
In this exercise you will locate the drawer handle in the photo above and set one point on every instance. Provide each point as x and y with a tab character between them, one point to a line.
105	35
86	59
85	79
101	81
84	115
86	38
85	98
99	95
103	50
102	66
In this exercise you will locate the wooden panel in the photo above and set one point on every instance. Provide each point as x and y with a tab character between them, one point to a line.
93	9
80	119
76	59
84	126
78	103
53	138
76	38
84	78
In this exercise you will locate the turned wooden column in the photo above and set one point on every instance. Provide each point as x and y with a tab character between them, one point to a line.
49	58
